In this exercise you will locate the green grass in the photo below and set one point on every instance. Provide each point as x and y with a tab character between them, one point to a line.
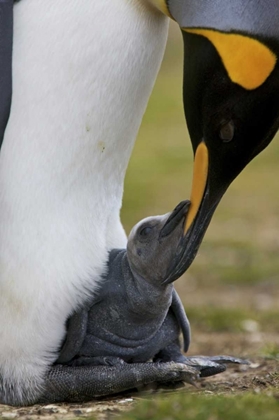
182	406
216	319
271	351
232	261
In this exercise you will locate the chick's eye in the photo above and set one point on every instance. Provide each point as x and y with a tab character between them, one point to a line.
145	231
226	132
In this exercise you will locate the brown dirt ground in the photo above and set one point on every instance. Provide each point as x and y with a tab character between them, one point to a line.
261	376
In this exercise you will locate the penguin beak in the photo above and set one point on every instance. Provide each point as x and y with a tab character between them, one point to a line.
231	100
200	175
175	218
205	197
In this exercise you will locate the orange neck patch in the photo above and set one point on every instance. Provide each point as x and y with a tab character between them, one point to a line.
247	61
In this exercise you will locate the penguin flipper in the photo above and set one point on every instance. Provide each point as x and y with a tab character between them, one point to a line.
6	46
182	319
76	331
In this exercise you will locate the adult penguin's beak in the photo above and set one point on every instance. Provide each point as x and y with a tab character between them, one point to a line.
231	99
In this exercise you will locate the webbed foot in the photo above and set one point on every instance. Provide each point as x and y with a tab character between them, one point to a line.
77	384
97	361
206	365
227	360
212	365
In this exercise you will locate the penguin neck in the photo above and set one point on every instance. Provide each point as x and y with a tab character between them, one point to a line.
145	298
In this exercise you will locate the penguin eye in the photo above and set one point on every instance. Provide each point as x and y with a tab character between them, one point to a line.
145	231
226	132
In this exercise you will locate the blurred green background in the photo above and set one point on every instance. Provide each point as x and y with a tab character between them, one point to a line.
231	291
235	275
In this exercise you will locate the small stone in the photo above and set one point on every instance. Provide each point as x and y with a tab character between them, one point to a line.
51	407
89	410
250	325
62	410
127	400
9	415
254	365
77	412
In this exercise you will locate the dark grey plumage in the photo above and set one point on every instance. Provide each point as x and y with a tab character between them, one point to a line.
131	318
136	316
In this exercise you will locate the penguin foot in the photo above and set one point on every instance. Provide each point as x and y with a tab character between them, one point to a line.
84	383
205	365
97	361
212	365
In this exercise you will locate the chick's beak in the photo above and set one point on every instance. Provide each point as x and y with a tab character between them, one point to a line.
175	217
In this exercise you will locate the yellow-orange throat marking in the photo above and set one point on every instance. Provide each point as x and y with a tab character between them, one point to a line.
199	183
247	61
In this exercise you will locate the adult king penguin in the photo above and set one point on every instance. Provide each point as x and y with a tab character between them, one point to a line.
82	73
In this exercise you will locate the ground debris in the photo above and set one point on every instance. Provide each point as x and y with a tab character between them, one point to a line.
101	410
261	376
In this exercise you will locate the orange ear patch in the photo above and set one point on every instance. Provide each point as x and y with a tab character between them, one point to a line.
247	61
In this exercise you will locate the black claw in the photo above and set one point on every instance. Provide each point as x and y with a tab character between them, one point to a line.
228	360
212	370
209	366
